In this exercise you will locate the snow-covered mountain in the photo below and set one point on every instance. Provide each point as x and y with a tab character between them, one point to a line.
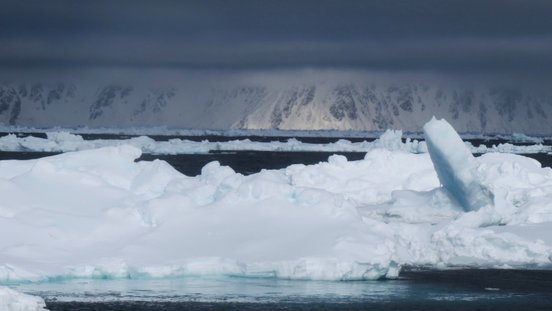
285	102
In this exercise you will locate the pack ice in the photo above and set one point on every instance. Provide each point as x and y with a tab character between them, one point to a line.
99	214
64	141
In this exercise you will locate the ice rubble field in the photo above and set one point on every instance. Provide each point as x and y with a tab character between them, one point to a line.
98	214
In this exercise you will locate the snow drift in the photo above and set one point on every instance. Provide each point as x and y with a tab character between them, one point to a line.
99	214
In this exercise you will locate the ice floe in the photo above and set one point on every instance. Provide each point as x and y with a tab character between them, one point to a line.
97	213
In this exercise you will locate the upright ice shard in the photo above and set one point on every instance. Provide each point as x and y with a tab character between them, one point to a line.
454	164
11	300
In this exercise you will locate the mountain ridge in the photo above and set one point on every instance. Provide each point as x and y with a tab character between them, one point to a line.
333	105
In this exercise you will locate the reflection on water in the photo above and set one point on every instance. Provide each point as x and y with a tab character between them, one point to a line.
412	286
233	289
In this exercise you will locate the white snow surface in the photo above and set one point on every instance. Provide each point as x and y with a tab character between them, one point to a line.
98	214
11	300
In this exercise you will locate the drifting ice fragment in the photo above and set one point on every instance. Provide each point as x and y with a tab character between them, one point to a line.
454	164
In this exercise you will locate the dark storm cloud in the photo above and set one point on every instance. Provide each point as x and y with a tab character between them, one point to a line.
486	36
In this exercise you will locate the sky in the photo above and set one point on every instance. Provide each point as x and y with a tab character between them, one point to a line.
502	37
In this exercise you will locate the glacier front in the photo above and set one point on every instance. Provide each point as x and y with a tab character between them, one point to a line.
99	214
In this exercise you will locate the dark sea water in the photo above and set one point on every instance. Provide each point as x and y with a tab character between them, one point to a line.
415	289
244	162
248	162
462	289
212	138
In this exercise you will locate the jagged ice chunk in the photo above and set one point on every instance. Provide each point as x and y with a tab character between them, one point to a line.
454	164
11	300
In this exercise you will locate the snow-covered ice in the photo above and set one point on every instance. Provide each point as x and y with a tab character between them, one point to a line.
99	214
11	300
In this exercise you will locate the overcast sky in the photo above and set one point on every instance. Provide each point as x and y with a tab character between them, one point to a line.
502	36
